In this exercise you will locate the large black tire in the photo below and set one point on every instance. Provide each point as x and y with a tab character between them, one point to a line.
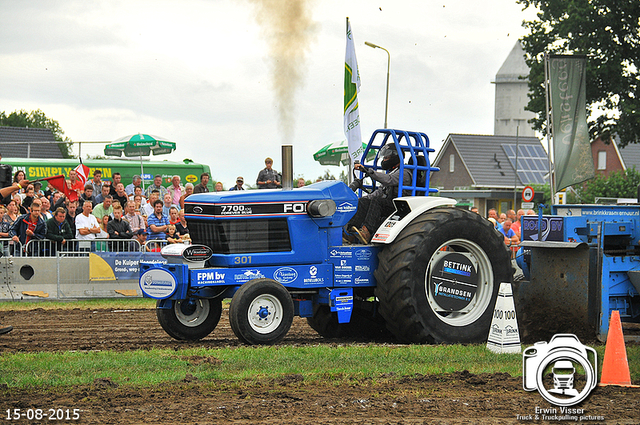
261	312
364	324
421	301
191	319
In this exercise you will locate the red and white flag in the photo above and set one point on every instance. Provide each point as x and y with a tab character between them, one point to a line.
59	183
83	173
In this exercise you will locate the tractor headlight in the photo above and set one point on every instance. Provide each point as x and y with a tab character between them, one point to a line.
321	208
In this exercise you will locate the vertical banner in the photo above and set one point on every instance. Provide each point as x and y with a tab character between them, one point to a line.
351	89
571	147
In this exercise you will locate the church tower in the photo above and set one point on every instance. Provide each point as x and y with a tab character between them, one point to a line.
512	96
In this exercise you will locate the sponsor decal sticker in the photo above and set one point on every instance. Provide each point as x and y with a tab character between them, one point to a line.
248	275
343	267
363	254
313	280
285	275
158	283
338	253
210	277
453	281
346	207
197	253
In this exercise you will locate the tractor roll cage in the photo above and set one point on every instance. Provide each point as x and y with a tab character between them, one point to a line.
414	148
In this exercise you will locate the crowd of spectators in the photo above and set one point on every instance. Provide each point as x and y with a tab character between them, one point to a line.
508	224
104	210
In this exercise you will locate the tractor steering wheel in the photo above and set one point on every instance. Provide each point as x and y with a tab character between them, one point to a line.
358	183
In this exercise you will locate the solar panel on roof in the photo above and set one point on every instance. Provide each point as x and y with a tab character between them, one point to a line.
532	162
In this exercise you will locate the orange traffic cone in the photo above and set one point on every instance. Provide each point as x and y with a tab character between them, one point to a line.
615	368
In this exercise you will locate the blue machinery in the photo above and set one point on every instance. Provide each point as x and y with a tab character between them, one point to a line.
583	264
280	253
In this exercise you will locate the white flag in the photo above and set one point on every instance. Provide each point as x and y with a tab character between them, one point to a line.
351	89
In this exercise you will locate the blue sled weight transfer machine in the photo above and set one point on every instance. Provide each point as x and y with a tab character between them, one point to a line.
580	263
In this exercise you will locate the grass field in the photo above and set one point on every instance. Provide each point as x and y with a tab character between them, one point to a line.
339	362
111	303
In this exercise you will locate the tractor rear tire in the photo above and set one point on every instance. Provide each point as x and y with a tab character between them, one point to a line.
191	319
261	312
438	280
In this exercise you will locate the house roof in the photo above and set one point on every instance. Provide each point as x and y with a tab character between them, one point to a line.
490	160
630	155
22	142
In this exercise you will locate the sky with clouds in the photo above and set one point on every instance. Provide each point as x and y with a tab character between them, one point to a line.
230	81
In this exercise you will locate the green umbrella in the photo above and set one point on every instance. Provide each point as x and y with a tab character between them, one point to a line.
139	145
336	153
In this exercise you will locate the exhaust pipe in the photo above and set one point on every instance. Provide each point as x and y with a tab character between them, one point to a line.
287	167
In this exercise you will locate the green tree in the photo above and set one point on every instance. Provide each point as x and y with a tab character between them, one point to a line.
620	184
608	33
327	175
344	177
96	156
37	119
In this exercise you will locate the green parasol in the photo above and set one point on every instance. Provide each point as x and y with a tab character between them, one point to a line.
336	153
139	145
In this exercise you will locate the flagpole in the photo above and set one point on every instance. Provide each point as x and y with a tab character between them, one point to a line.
141	173
549	126
515	179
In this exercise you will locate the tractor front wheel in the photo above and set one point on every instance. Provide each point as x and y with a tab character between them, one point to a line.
191	319
261	312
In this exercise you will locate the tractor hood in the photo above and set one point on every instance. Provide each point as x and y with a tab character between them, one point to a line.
276	202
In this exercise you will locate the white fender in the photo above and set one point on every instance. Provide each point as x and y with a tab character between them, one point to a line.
407	209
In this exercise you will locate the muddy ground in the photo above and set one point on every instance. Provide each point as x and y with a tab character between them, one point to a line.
460	398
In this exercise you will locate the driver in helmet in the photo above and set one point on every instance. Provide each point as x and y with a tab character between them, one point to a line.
375	207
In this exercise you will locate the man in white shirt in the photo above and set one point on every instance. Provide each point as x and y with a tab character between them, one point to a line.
86	223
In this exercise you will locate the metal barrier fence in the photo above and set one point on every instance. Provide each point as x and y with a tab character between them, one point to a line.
99	268
75	247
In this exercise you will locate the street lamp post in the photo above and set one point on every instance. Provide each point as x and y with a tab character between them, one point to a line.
386	106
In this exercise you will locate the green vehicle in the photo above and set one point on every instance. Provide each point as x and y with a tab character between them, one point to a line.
38	168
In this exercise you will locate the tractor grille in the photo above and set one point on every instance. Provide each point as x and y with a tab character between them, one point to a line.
241	236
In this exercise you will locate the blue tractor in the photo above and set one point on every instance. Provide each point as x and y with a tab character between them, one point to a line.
431	273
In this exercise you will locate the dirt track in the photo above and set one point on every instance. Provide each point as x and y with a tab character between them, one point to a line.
453	398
